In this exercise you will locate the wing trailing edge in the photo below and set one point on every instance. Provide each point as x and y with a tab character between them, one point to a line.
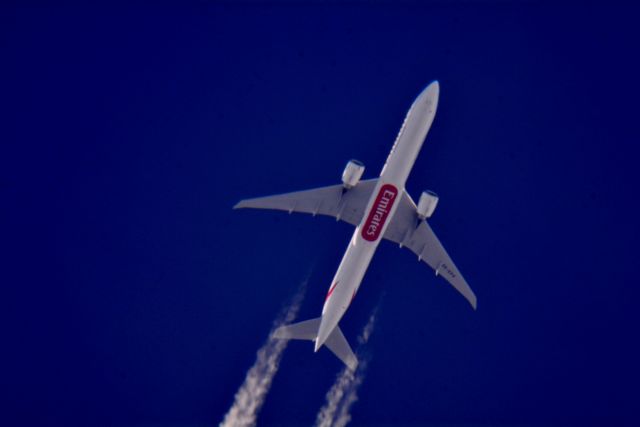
334	200
409	231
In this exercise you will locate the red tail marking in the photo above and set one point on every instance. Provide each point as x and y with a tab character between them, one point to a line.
330	291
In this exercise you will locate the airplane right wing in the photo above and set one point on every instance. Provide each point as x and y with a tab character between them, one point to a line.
407	230
334	201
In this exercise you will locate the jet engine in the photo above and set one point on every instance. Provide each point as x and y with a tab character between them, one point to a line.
427	204
352	174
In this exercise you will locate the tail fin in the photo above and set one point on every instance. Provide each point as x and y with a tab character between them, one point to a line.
308	330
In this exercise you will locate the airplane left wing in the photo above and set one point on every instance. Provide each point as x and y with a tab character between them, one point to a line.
334	201
407	230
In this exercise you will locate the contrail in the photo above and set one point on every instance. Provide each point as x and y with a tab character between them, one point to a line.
336	411
253	391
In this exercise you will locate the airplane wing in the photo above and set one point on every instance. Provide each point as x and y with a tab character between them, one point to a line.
407	230
333	201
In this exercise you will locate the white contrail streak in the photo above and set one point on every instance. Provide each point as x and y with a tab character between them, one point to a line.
336	411
253	391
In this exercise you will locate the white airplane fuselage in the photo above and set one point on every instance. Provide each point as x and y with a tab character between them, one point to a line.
379	212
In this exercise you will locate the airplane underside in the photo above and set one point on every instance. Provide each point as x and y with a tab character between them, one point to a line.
378	208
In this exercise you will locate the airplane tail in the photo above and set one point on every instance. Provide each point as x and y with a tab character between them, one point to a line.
308	330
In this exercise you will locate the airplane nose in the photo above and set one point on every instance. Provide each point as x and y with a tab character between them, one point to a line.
434	87
429	95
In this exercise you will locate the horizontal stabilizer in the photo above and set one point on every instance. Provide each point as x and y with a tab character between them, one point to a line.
308	330
338	344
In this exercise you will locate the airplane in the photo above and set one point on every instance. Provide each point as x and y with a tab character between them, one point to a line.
379	208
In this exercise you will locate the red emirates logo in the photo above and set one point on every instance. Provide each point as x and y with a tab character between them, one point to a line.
379	212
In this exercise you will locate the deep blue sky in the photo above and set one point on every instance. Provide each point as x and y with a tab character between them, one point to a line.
133	294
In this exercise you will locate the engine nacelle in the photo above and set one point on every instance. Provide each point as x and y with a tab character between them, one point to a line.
427	204
352	174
